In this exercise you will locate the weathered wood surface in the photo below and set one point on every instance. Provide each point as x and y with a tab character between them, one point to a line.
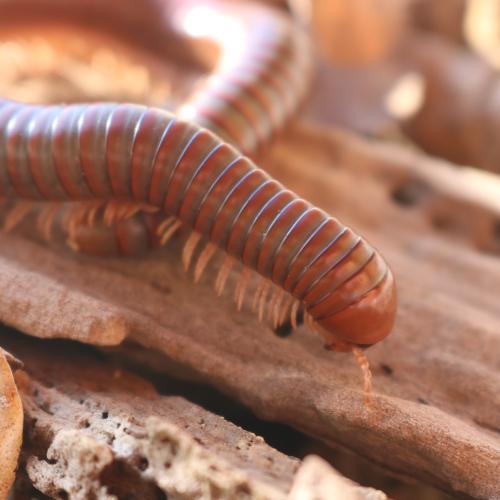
95	430
437	377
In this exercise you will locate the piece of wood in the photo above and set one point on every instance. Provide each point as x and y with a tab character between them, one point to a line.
436	378
11	425
94	429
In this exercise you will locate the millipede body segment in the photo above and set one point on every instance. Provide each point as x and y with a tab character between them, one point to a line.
133	158
260	77
261	74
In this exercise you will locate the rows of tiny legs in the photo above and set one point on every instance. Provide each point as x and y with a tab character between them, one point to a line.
106	228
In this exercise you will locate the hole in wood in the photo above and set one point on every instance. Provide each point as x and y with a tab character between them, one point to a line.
409	194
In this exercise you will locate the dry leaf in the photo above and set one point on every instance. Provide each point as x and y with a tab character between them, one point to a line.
11	426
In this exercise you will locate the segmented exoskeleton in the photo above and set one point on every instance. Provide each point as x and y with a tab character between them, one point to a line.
145	159
263	73
261	76
147	173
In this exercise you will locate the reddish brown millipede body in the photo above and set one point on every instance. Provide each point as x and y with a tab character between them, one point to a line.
143	157
118	160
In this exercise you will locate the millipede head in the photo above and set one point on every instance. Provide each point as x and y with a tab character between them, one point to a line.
363	323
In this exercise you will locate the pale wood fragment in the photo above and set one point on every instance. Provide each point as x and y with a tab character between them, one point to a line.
317	480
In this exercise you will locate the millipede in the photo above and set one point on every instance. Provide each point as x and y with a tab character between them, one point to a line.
262	72
147	171
260	79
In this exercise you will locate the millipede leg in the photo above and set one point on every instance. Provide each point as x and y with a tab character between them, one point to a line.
241	287
189	248
92	213
170	232
286	306
110	212
275	305
17	214
294	314
126	211
45	219
203	260
147	208
74	216
262	300
308	321
164	225
270	304
222	275
261	288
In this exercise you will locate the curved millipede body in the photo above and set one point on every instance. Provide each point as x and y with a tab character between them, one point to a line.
261	74
146	159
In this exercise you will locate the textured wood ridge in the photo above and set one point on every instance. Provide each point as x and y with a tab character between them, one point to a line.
436	378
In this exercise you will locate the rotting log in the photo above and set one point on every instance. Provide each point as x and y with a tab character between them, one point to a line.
436	378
